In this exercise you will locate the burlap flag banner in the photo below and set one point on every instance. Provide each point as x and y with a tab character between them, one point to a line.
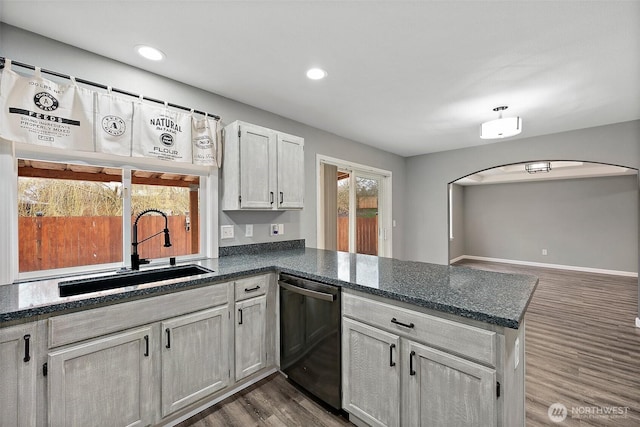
113	124
39	111
207	149
161	133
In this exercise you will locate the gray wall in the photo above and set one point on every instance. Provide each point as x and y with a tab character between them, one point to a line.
457	245
33	49
591	222
427	177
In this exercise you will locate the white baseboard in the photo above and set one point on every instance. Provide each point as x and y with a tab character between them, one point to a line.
460	258
545	265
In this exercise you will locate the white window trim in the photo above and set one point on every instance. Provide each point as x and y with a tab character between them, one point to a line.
385	236
11	151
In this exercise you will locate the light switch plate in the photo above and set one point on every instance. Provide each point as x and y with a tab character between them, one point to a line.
226	231
280	228
248	231
516	352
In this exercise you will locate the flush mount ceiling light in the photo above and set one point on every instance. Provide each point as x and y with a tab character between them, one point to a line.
149	52
316	74
543	167
501	127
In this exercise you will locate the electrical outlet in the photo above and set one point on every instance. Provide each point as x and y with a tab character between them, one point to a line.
544	252
248	231
273	230
280	228
226	231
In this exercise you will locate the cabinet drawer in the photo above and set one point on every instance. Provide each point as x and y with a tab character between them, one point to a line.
91	323
468	341
251	287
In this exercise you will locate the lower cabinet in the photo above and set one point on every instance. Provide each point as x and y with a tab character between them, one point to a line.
402	367
250	336
18	369
444	390
107	381
370	374
138	363
194	361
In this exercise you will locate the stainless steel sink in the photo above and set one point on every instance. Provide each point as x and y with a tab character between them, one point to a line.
120	280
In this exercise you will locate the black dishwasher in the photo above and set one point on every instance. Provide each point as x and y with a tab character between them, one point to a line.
310	336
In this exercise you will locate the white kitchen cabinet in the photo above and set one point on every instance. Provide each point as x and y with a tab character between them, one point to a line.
18	376
263	169
405	367
444	390
250	336
194	361
370	374
103	382
290	171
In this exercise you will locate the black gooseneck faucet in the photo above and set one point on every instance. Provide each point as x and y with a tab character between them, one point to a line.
135	257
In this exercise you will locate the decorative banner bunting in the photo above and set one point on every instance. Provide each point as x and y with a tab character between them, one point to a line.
114	124
161	133
35	110
207	149
38	111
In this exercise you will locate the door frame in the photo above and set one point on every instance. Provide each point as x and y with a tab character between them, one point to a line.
385	221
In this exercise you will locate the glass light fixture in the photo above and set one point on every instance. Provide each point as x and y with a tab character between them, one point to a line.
316	74
149	52
543	167
501	127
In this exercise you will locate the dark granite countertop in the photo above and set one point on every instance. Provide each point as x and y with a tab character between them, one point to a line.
495	298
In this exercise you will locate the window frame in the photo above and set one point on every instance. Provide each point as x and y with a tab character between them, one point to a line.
10	152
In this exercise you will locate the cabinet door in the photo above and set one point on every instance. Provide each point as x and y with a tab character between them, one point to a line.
103	382
250	336
370	373
17	376
290	171
446	390
257	146
195	360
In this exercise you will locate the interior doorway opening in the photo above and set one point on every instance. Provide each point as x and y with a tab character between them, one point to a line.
564	214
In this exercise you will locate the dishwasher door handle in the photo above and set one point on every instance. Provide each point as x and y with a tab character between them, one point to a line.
307	292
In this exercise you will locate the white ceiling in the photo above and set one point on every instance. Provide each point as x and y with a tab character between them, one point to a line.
406	77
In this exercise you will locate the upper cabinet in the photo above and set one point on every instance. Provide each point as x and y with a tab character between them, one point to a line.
263	169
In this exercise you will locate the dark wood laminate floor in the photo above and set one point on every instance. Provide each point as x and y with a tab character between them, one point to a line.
582	346
582	350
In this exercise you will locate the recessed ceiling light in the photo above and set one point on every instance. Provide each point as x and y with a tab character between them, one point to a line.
316	74
149	52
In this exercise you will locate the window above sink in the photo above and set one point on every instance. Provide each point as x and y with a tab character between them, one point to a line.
63	212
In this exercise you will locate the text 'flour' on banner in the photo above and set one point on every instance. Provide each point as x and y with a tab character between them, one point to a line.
161	133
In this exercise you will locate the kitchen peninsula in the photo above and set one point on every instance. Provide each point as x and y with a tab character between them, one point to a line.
456	324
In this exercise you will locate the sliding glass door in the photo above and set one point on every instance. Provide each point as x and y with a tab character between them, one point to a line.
354	209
